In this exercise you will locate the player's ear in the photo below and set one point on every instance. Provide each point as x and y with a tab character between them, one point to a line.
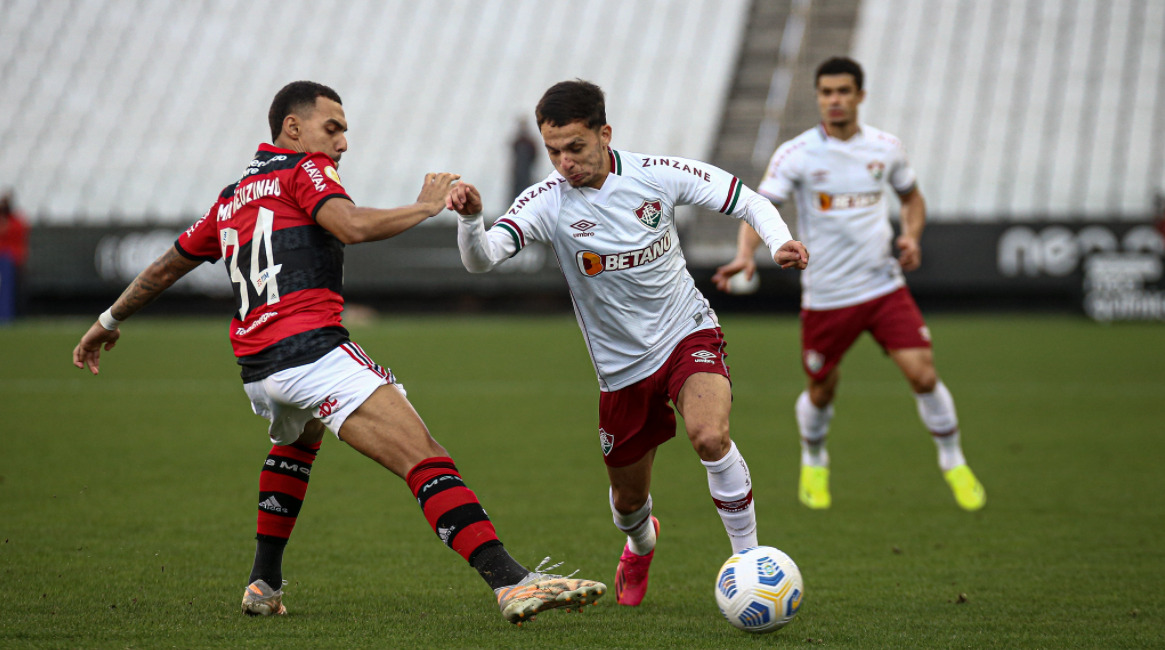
291	126
605	134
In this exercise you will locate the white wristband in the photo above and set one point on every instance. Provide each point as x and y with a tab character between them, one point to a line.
107	320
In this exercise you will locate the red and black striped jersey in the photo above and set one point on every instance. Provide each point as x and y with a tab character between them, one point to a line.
287	271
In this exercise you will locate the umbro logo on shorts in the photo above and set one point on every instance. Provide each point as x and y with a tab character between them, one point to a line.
704	356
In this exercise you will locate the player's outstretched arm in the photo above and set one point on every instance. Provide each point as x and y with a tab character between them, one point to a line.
746	242
352	224
150	283
480	250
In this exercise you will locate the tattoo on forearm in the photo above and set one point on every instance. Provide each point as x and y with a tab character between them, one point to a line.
150	283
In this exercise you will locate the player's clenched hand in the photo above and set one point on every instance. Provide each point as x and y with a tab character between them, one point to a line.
745	265
909	253
464	199
435	191
792	254
88	351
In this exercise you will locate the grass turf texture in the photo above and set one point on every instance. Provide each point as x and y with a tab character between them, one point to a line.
127	501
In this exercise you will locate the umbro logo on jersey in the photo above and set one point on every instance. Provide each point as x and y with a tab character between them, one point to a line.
271	505
704	356
650	213
583	226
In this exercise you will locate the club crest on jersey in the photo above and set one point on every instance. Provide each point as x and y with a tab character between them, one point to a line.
591	263
606	441
649	213
876	169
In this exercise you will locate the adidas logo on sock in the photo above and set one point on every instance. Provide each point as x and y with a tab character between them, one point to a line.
271	505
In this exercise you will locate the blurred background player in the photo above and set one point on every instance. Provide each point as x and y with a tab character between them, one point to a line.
281	231
837	171
13	255
652	337
523	155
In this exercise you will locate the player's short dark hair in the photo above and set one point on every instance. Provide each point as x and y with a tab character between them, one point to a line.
572	101
293	97
840	65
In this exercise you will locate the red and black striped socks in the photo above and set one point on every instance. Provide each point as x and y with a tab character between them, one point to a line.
282	487
455	514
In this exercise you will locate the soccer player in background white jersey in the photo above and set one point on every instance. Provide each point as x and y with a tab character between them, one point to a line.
837	172
609	215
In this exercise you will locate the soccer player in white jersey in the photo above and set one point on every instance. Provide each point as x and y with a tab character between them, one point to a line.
837	172
610	217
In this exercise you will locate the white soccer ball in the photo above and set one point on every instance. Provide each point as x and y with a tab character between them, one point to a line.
759	589
742	286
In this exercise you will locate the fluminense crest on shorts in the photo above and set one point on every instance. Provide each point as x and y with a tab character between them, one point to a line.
649	213
606	441
814	360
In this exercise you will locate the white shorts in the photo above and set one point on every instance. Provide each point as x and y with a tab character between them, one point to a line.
329	390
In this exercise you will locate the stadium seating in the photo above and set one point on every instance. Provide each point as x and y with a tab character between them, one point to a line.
1025	110
139	111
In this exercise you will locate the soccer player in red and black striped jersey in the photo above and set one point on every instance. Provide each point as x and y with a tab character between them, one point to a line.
281	231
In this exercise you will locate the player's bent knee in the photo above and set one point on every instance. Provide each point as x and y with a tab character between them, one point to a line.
711	443
628	503
923	382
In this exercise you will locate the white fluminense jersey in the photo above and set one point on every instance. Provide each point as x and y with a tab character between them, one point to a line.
843	214
618	248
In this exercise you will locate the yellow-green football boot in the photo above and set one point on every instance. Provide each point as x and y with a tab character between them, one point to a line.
969	492
814	491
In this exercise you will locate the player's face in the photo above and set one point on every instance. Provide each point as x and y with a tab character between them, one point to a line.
323	129
838	98
579	153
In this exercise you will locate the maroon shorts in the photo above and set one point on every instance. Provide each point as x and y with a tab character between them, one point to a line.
826	335
636	419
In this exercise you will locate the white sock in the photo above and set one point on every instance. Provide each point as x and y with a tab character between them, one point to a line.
637	525
814	425
731	488
937	411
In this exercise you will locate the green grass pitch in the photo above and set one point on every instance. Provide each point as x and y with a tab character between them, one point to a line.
127	501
